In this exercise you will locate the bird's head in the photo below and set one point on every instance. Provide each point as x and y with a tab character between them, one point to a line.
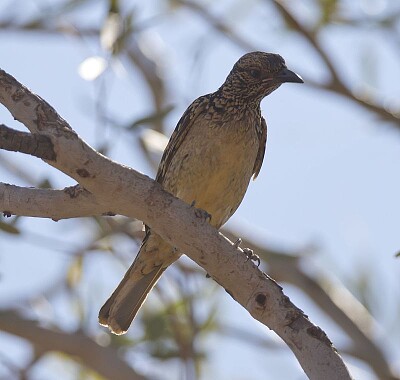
255	75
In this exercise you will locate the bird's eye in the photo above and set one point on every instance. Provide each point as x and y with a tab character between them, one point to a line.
255	73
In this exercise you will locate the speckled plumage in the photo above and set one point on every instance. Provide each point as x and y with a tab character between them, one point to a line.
217	146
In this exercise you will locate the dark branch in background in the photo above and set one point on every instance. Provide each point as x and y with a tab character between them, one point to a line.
149	71
283	267
179	225
311	38
147	67
335	84
80	347
24	174
356	323
24	142
41	27
218	25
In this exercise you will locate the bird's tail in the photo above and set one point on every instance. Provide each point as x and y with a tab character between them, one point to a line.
120	309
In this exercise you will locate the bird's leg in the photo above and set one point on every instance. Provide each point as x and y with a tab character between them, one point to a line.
200	213
252	256
249	252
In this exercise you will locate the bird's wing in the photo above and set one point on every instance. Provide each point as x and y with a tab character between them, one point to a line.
262	139
180	133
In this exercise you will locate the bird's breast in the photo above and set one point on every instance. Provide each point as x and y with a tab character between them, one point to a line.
213	166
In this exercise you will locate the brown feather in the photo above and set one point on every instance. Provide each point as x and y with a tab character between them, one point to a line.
217	146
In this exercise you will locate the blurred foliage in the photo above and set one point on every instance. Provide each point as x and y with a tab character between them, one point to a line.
152	118
177	329
9	226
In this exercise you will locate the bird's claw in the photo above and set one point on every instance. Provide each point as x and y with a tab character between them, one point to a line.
200	213
237	243
252	256
249	252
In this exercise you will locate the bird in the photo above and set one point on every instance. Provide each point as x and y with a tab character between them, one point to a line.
216	148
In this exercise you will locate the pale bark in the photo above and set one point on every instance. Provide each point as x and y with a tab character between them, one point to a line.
71	202
124	191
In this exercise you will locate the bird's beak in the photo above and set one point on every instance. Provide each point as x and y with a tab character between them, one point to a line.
285	75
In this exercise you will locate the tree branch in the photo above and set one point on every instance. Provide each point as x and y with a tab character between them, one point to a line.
71	202
343	308
103	360
132	194
33	144
77	202
218	24
335	83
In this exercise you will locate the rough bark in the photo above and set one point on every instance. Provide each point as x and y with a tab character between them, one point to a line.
124	191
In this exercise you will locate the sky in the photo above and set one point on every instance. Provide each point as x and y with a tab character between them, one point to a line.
330	176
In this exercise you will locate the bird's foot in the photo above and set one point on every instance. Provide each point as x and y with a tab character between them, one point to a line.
237	243
200	213
249	252
252	256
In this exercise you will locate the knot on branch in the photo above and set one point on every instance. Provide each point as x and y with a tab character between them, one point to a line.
261	300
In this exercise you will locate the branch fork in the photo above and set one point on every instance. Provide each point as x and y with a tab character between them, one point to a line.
106	187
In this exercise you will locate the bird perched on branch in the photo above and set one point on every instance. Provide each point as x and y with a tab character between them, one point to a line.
217	146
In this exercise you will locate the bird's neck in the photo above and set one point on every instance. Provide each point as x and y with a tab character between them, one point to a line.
225	106
230	96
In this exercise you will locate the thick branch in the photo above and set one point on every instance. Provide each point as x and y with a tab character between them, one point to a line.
76	202
103	360
72	202
130	193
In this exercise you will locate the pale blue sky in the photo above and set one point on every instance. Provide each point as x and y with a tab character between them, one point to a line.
330	176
